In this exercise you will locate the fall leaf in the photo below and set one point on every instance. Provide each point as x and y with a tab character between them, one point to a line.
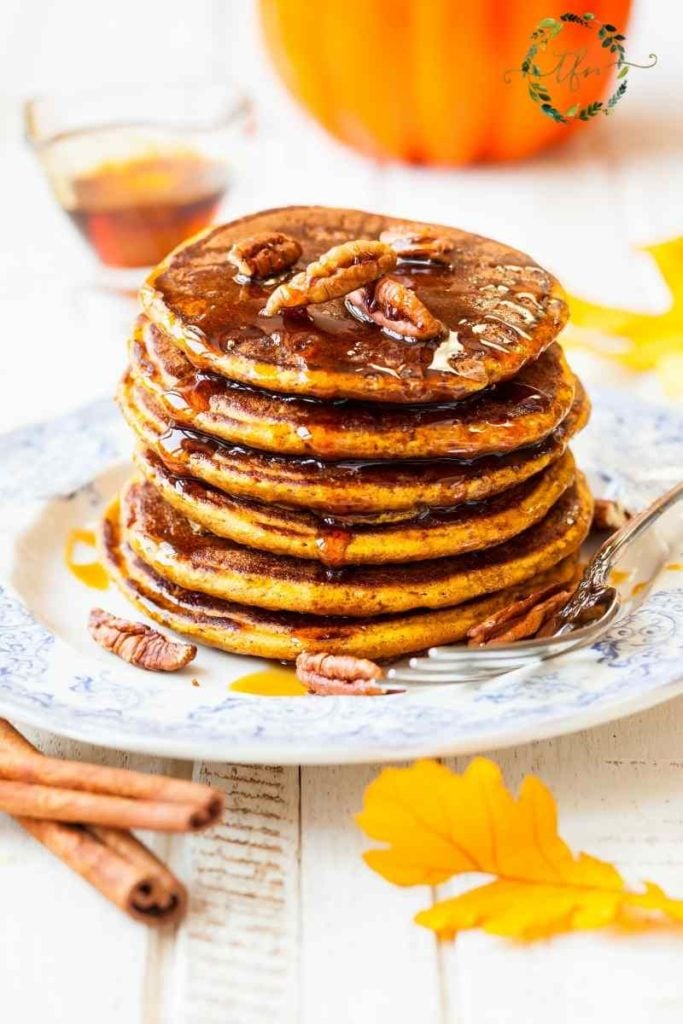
438	824
649	341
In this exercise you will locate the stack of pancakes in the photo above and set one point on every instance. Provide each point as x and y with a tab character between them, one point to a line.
313	481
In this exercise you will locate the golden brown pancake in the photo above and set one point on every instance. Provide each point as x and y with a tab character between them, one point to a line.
437	533
243	630
178	550
510	416
501	308
339	488
313	480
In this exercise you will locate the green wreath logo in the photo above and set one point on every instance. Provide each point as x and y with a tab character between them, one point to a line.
610	39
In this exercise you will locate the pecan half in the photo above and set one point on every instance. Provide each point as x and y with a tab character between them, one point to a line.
609	516
551	625
339	675
264	254
418	243
521	619
137	643
396	309
337	272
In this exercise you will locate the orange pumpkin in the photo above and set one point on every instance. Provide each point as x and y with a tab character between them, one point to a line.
424	80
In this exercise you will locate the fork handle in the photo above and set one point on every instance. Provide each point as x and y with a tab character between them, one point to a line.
607	554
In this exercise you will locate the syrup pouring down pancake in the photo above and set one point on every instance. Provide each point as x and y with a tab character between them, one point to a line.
434	533
195	560
503	307
351	485
245	629
507	417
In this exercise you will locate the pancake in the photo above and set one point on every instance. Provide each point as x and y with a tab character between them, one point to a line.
177	550
253	631
338	488
501	308
437	533
510	416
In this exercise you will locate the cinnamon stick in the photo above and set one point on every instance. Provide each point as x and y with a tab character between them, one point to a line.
51	803
163	892
44	787
95	778
113	861
137	882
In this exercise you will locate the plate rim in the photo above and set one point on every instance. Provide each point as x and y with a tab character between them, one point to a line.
330	754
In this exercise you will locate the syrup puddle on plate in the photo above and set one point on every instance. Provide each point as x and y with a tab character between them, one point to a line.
618	576
270	682
91	572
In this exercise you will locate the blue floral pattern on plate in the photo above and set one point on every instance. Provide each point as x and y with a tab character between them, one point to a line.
631	454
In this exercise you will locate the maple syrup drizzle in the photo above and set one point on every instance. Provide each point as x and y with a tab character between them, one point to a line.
270	682
333	543
320	337
178	444
92	573
505	406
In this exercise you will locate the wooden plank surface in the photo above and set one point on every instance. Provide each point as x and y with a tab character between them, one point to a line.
361	958
239	948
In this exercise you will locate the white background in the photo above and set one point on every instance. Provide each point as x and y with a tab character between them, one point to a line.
287	924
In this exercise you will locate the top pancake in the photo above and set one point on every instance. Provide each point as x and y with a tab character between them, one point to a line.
503	308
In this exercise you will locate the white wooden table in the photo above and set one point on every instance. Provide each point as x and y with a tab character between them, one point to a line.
286	923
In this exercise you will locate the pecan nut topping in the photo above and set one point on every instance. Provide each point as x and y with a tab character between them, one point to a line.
608	515
138	644
264	254
337	272
334	675
396	309
522	618
419	243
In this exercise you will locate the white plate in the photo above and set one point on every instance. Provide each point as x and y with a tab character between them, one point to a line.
56	476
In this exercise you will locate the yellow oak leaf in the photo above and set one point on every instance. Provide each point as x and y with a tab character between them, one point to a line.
438	824
649	341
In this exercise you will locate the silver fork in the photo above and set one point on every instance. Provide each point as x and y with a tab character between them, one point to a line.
461	664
